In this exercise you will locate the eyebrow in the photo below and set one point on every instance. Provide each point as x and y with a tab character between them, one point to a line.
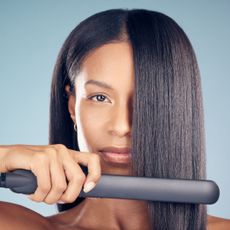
99	83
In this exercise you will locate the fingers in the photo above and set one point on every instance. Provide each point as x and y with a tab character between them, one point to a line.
58	183
75	178
43	182
92	161
61	179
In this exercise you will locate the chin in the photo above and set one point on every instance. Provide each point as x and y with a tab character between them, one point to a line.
116	169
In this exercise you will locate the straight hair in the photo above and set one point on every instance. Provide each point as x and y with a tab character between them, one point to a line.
167	119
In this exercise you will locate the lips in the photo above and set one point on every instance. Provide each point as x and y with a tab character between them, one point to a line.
116	155
112	149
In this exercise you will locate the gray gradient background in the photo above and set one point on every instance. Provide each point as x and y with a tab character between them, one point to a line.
31	34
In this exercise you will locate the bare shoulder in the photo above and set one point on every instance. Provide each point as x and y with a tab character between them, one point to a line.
217	223
13	216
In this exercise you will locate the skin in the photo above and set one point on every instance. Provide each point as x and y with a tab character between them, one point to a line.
99	124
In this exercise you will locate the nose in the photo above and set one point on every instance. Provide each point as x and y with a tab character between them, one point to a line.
121	120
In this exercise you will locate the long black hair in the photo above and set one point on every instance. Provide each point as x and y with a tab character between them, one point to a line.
167	119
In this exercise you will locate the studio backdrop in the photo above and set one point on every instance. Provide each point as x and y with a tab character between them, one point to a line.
31	35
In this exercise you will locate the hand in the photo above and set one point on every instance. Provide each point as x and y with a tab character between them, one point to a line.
59	176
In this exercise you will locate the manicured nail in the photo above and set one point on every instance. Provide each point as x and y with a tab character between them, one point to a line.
89	186
60	202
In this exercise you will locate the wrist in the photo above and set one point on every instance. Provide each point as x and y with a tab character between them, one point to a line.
4	150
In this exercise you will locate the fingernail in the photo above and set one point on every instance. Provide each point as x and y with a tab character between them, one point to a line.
89	186
60	202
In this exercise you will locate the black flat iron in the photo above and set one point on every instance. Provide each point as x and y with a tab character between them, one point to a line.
128	187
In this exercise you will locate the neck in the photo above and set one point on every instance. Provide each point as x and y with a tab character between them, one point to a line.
97	213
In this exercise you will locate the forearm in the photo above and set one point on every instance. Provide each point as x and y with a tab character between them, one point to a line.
4	150
15	157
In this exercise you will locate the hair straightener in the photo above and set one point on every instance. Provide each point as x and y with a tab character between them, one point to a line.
128	187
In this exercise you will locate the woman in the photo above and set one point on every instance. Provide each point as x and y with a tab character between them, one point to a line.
125	100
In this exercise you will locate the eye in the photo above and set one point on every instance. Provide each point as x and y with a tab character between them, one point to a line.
99	97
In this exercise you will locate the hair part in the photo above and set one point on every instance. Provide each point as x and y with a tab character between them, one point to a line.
167	120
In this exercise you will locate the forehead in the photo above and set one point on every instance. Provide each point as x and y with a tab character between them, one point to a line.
111	64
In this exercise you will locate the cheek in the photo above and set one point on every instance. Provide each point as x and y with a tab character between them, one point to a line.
93	120
90	121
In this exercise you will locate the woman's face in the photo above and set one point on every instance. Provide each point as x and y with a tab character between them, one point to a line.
102	107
